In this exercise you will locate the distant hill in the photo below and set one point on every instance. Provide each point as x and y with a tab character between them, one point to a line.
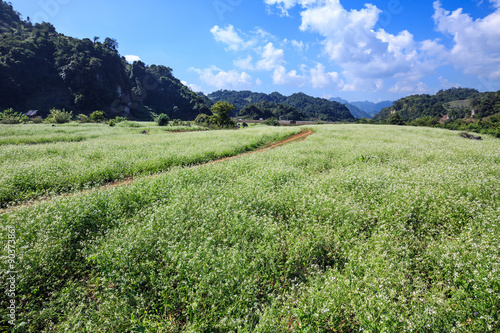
363	109
313	108
355	111
372	108
41	69
455	103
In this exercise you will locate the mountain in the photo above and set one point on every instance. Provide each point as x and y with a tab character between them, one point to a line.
41	69
313	108
372	108
355	111
455	103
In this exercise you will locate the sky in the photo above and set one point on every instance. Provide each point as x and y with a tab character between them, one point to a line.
357	50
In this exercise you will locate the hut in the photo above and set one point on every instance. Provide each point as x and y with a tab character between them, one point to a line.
32	114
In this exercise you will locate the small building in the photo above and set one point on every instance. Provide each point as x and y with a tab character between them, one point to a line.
32	114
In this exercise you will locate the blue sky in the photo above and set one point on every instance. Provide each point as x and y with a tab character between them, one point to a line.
358	50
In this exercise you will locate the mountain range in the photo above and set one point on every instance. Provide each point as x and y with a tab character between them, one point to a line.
363	109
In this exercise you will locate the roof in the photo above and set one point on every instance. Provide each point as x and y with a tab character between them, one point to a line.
31	113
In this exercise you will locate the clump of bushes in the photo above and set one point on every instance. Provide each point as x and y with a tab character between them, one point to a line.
9	116
162	120
117	120
220	118
97	117
82	118
58	116
271	122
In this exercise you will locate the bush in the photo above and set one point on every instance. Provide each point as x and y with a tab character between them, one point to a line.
202	119
162	120
9	116
37	120
120	119
58	116
271	122
82	118
97	116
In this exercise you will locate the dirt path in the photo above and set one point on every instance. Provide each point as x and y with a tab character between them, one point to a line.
123	182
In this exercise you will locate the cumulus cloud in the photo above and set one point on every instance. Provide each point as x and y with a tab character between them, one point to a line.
245	63
321	79
366	54
271	58
193	87
221	79
476	48
131	58
291	78
230	37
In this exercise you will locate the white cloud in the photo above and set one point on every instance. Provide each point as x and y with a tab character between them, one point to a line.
245	63
220	79
131	58
230	37
282	77
409	87
193	87
476	48
321	79
271	58
368	56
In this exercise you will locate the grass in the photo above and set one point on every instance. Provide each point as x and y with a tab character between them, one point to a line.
108	154
358	228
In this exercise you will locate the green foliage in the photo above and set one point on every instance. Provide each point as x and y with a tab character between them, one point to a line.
11	117
82	118
37	120
271	122
162	120
97	117
202	120
418	106
221	117
270	109
295	107
58	116
424	121
108	154
395	119
41	69
389	229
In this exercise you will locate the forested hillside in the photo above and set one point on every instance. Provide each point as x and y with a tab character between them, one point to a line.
307	107
41	69
440	104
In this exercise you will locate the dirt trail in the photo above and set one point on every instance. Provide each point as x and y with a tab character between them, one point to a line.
123	182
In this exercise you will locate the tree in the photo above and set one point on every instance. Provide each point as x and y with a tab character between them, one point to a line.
395	119
111	44
221	115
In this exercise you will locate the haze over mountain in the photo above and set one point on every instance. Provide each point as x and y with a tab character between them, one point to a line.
363	109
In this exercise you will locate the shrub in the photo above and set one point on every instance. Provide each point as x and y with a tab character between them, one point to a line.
97	116
58	116
82	118
9	116
202	119
271	122
37	120
120	119
162	120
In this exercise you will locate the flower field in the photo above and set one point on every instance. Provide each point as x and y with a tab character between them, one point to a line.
101	154
357	228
